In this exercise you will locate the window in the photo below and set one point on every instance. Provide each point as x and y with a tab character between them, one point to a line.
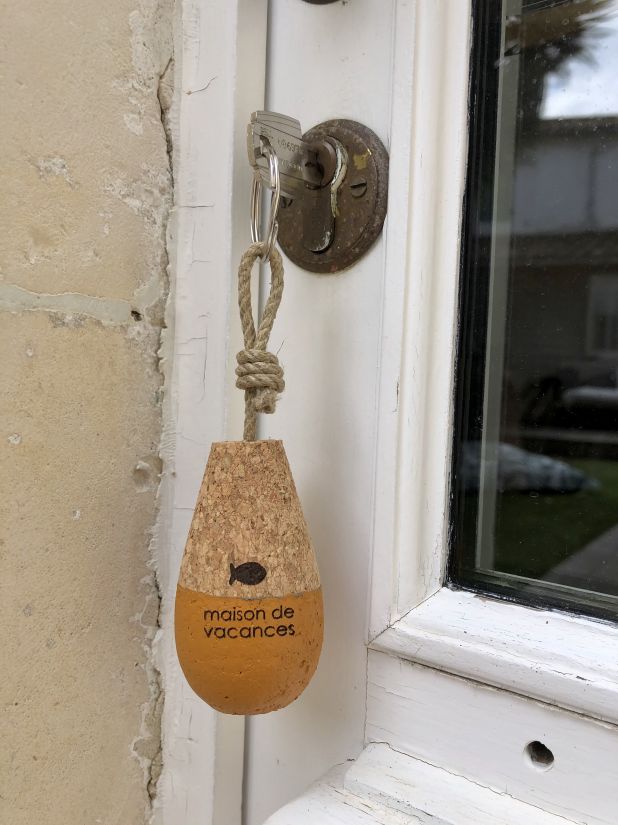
535	489
602	331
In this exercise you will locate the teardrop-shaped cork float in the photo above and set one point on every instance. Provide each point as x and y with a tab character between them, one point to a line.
249	617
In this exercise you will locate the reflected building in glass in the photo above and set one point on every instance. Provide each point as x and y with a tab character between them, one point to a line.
535	481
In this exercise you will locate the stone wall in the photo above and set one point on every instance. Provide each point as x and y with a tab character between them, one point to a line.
85	197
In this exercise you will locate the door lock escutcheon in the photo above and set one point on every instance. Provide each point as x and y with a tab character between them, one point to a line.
334	187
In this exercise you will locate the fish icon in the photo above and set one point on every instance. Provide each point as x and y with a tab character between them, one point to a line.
248	573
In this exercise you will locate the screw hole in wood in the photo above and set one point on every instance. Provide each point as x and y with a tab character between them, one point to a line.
539	756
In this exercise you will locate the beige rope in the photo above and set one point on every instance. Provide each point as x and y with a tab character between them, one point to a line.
258	372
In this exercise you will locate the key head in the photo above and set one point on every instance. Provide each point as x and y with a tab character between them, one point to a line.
297	160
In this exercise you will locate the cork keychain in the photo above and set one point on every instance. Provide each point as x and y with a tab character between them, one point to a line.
249	615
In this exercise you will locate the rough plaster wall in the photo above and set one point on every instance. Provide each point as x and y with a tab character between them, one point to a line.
86	191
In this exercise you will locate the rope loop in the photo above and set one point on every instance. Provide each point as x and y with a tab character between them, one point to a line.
258	372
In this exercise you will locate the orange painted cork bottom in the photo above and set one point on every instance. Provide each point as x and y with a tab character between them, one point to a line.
248	656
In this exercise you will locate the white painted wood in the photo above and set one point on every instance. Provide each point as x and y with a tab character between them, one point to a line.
384	572
431	795
222	78
329	803
326	62
417	354
563	660
384	787
481	733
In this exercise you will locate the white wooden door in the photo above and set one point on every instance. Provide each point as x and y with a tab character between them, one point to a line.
427	697
327	62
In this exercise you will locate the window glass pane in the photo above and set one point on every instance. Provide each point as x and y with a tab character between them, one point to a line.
535	477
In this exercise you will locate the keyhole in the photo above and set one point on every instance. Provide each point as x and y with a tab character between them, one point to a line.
540	756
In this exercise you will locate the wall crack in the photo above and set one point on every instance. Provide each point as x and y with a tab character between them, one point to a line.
109	311
148	746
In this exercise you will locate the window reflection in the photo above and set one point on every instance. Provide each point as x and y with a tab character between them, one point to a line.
536	470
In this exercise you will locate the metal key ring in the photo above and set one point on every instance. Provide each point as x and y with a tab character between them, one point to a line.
256	199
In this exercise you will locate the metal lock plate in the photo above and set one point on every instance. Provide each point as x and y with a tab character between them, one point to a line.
328	228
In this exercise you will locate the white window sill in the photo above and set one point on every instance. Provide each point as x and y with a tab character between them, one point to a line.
389	788
568	661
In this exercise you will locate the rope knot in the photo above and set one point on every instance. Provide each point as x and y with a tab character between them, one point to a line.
260	373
